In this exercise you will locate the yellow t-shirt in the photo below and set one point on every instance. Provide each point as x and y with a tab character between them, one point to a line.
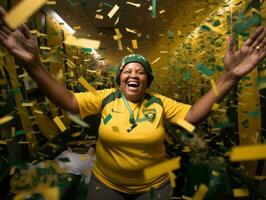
122	155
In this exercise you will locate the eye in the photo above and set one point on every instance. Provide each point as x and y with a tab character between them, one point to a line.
127	72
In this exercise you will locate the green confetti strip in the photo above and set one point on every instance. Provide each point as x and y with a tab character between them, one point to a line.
217	23
205	27
87	50
65	159
204	69
107	4
186	75
170	34
154	8
20	132
243	23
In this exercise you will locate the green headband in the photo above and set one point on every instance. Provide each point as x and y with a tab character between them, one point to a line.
135	58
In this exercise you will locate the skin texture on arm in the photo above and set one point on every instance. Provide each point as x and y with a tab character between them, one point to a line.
23	46
236	65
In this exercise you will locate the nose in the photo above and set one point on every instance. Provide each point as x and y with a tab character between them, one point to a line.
133	74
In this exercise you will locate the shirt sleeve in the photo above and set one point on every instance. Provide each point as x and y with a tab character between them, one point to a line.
90	103
174	110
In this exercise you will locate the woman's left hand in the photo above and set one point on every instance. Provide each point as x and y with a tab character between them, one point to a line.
239	63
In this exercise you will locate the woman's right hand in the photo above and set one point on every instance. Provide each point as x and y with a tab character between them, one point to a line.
19	42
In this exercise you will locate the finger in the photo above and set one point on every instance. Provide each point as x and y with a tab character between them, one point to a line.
26	32
252	38
3	34
2	12
259	39
229	45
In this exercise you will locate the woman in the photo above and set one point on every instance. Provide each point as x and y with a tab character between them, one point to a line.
131	132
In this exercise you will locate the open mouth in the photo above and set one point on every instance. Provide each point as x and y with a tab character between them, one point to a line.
133	84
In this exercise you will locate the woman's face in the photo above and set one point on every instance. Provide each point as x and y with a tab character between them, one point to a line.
133	81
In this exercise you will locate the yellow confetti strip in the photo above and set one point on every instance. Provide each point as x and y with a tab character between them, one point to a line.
117	20
172	177
201	192
27	104
86	85
82	42
134	44
215	106
118	34
186	125
12	170
70	64
240	192
131	31
163	51
22	11
214	87
97	16
120	46
38	112
13	132
133	4
59	123
162	168
5	119
161	12
259	178
186	197
199	10
113	11
45	48
156	60
130	50
3	142
76	27
51	3
248	152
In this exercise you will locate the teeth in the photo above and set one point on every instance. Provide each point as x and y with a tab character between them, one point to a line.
133	83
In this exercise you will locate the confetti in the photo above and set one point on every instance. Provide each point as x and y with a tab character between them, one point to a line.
59	123
117	20
27	104
22	11
201	192
51	3
154	8
82	42
240	192
77	120
161	12
156	60
204	69
97	16
5	119
130	50
248	152
131	30
215	106
86	85
214	87
113	11
134	44
186	125
172	177
134	4
162	168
